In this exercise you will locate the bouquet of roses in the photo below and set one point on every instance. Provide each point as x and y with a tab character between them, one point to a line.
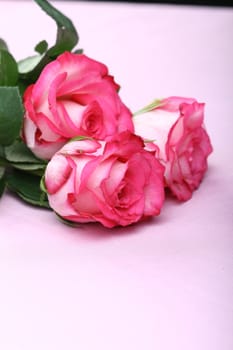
68	142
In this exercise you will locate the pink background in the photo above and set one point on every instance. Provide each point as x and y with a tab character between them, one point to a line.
165	284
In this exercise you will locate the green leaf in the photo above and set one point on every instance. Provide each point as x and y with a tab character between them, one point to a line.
2	171
27	187
30	167
32	75
3	161
8	69
18	152
2	180
154	104
21	157
2	152
28	64
3	45
22	85
67	38
25	66
11	114
41	47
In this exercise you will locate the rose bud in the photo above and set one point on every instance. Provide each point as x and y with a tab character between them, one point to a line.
176	126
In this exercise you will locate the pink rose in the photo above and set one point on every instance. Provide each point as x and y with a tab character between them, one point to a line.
115	183
176	126
74	95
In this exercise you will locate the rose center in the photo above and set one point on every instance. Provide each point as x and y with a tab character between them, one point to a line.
91	124
123	197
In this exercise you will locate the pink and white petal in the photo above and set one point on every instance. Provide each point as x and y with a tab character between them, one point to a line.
49	131
57	173
29	131
154	126
47	150
175	134
70	115
40	89
52	96
81	84
154	198
77	65
205	143
125	120
184	165
59	201
193	115
92	122
113	181
84	146
172	103
84	203
96	172
181	190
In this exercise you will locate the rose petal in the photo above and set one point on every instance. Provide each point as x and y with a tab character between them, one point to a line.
57	173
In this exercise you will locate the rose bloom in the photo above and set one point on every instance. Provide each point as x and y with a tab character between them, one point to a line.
74	95
176	126
116	183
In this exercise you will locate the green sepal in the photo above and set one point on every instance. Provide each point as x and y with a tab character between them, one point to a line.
149	140
27	187
153	105
41	47
67	222
78	51
42	184
8	69
11	114
80	138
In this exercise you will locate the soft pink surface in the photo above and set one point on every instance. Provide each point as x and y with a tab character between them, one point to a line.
165	284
